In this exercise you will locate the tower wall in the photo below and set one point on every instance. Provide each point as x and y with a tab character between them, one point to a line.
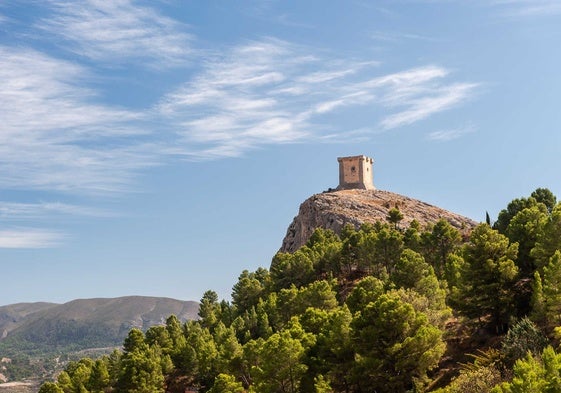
355	172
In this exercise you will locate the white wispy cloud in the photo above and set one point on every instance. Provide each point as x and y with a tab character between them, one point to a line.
451	134
235	104
420	103
395	37
271	92
416	94
54	136
15	211
524	8
358	135
30	238
118	31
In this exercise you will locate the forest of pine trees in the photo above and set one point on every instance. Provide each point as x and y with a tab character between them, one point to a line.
377	309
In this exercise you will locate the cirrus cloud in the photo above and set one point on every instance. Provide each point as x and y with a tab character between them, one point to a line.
55	136
118	31
30	238
271	92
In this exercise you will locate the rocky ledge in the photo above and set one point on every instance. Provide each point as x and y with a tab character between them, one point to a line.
333	210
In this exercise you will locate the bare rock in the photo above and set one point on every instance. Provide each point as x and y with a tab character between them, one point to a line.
333	210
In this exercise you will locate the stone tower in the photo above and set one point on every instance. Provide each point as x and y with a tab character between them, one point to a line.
355	172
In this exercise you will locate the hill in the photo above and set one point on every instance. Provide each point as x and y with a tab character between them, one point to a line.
12	316
381	308
333	210
85	323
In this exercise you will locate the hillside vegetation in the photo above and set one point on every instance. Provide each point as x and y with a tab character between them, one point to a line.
382	308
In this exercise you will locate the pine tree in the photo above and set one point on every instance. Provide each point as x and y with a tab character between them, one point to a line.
488	276
552	290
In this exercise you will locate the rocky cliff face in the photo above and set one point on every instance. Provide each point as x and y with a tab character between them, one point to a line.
333	210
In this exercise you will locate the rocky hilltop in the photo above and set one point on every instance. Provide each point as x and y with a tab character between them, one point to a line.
333	210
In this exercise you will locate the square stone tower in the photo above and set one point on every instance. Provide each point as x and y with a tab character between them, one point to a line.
355	172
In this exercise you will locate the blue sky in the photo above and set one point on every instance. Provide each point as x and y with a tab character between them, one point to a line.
159	148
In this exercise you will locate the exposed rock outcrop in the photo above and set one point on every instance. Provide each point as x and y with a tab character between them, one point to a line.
333	210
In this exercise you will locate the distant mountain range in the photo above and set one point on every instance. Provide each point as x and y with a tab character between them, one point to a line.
37	328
